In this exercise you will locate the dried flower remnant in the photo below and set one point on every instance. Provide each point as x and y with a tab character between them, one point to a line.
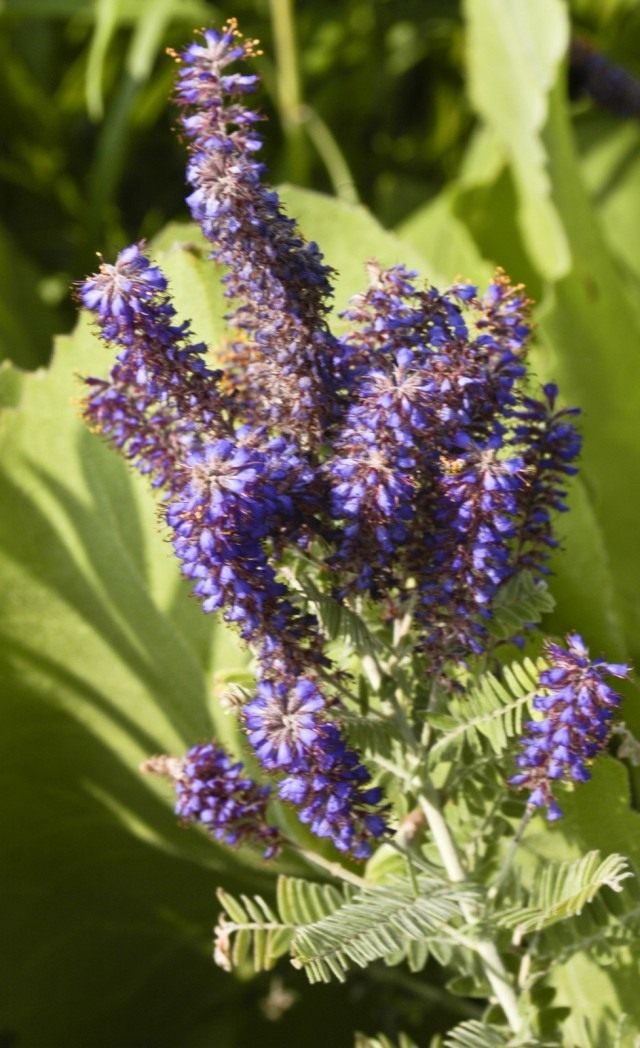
576	707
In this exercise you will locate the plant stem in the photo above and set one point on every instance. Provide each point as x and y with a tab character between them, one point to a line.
513	847
288	88
491	961
331	155
334	868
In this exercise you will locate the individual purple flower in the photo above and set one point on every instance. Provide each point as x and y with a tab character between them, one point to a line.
576	707
282	721
288	363
212	789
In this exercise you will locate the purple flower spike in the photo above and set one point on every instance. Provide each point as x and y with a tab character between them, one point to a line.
577	707
287	362
550	446
288	727
160	391
233	496
213	790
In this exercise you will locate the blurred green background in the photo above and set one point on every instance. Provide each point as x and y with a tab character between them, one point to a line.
88	160
465	132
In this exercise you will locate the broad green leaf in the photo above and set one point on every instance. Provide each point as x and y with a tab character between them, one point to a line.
11	384
582	582
610	164
593	329
440	233
437	231
349	236
489	211
104	660
514	50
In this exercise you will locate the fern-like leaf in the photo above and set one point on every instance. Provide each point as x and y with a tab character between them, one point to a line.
521	602
378	923
338	621
564	889
490	713
382	1041
474	1034
249	931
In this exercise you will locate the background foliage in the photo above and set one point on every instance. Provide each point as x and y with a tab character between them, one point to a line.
453	125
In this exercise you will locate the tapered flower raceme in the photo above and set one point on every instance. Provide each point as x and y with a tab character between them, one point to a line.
474	523
234	497
506	314
288	726
289	363
160	392
373	475
333	795
152	437
576	708
551	444
213	789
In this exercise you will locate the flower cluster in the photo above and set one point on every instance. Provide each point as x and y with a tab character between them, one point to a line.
233	497
442	470
288	728
160	392
212	789
404	459
286	359
576	708
551	444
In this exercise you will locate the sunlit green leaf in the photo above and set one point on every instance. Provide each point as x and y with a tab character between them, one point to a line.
514	51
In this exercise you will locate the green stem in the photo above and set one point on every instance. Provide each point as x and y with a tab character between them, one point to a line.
491	961
510	856
288	88
335	869
330	154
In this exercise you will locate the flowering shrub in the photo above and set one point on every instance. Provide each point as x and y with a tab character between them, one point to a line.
372	507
